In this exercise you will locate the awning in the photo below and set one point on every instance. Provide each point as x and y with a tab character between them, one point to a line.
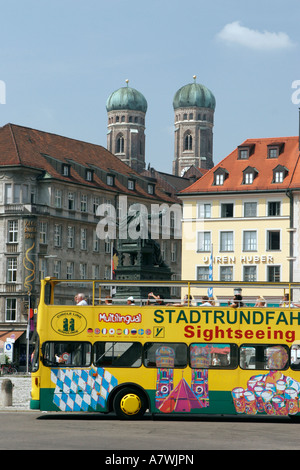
11	334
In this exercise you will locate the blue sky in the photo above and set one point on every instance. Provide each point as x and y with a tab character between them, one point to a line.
61	59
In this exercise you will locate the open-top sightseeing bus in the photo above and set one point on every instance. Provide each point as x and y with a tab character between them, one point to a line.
166	357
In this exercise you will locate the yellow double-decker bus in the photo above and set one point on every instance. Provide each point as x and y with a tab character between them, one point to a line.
165	356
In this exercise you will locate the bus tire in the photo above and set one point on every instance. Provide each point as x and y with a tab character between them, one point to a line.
129	403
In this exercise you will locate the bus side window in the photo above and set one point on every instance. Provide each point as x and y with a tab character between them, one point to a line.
117	354
165	355
66	354
213	356
263	356
295	357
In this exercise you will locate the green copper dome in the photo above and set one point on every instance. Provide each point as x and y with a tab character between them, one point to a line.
126	98
194	94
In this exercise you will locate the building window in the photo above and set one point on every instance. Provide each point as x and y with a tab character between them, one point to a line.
250	209
219	180
83	270
250	241
8	194
279	177
204	211
273	152
65	170
17	194
58	199
202	273
71	236
12	231
57	235
188	142
71	201
226	210
70	270
96	204
248	178
95	241
83	245
274	208
273	273
203	241
173	252
279	173
11	269
226	241
95	271
11	310
57	269
83	203
110	180
131	185
244	154
89	175
250	273
42	268
43	232
120	145
150	188
226	273
273	240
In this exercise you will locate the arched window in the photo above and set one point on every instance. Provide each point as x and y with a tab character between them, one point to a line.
120	144
188	142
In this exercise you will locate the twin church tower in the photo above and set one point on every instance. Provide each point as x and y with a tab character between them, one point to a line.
194	107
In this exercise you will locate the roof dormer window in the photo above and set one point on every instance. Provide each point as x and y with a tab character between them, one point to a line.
220	176
249	174
279	173
89	175
275	149
110	180
131	185
151	188
65	169
245	151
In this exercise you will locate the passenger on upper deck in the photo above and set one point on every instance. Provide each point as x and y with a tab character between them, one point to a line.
159	300
286	301
237	301
205	301
260	302
80	299
108	300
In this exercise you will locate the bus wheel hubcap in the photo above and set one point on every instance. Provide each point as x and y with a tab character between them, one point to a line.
131	404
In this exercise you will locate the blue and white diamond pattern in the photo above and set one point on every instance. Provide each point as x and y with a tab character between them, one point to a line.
81	389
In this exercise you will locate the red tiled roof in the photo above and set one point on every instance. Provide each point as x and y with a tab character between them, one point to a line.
258	159
23	146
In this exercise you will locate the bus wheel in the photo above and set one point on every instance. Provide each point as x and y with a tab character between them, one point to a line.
129	404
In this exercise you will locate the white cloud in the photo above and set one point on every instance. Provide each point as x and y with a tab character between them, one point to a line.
235	33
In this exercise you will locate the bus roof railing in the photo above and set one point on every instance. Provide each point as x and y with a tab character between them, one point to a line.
181	283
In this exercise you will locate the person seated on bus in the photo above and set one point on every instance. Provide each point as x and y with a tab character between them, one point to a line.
260	302
187	301
159	300
286	301
108	300
205	301
81	299
130	300
237	301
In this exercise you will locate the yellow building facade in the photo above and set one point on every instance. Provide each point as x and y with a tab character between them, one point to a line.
247	231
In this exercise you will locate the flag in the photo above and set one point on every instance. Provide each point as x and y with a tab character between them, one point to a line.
210	273
114	262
